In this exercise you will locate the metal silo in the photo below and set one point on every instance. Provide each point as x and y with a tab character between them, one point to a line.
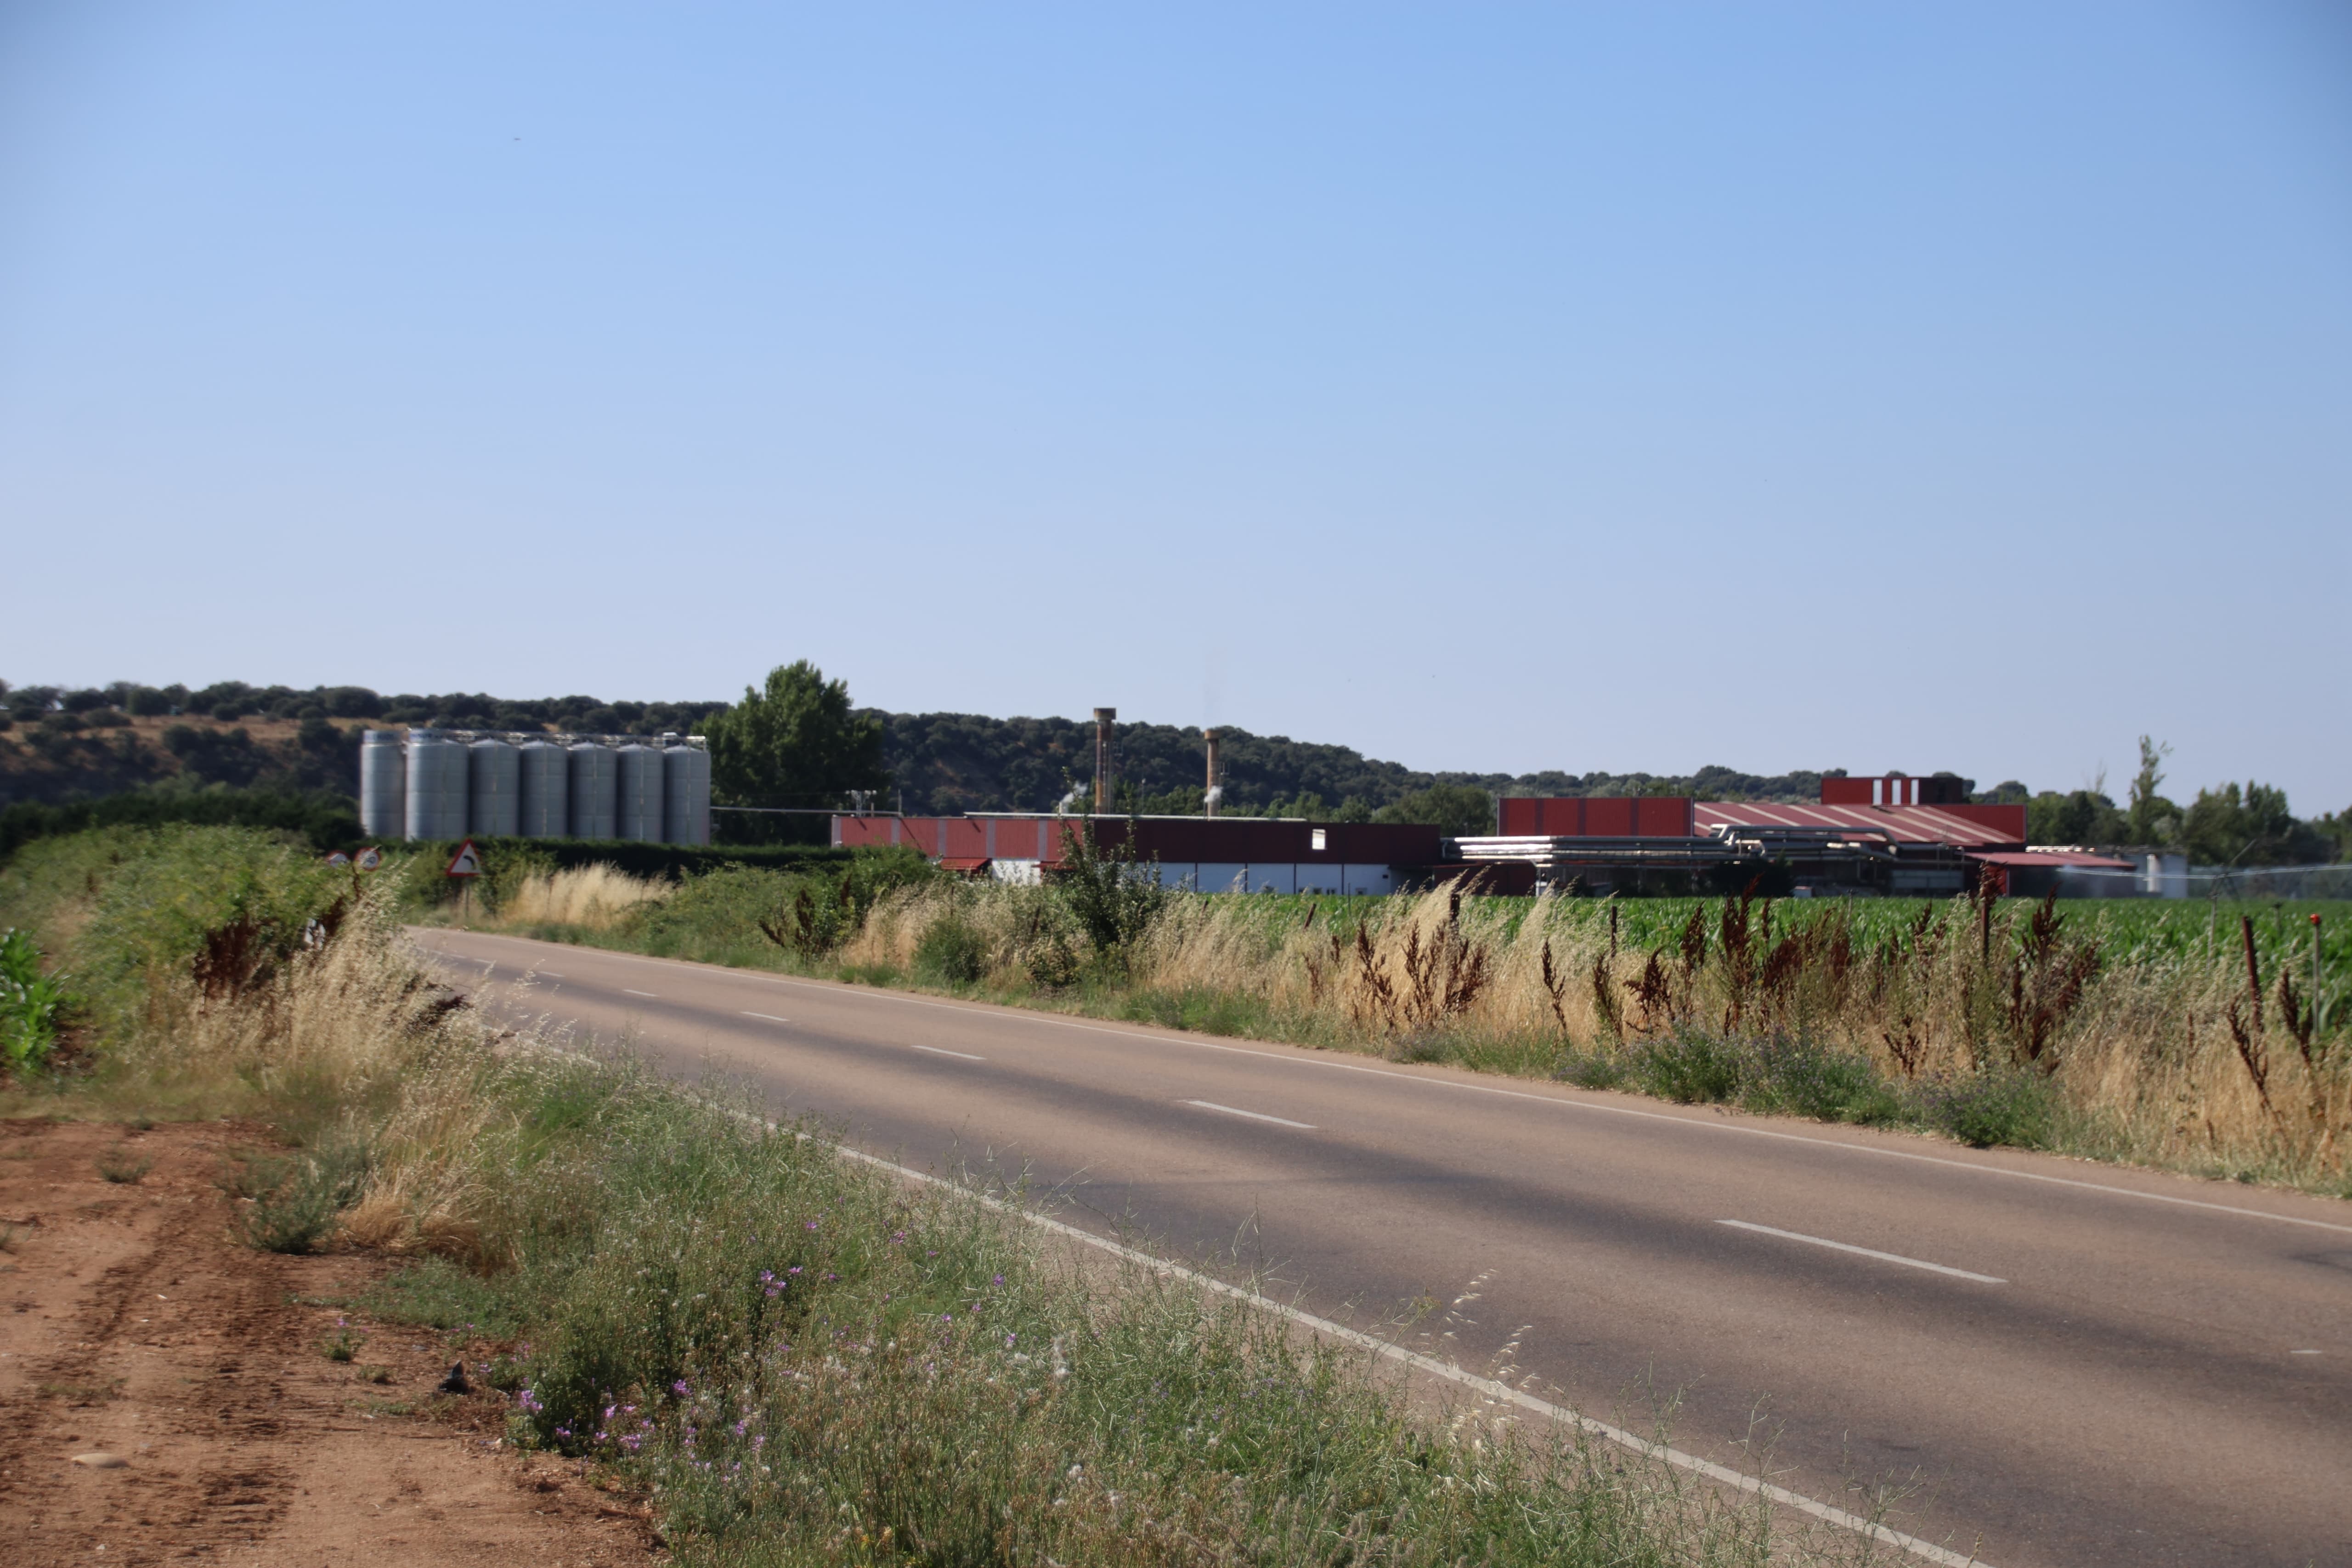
435	807
640	813
595	782
546	790
685	794
383	786
494	778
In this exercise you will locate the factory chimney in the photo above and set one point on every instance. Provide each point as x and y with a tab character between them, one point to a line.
1103	715
1215	795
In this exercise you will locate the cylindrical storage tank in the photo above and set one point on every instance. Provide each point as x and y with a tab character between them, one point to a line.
546	790
435	807
685	794
640	815
494	776
383	786
595	785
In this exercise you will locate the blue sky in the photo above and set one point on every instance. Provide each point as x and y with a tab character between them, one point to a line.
1612	387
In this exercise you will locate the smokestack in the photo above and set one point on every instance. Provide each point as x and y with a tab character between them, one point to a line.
1103	715
1212	795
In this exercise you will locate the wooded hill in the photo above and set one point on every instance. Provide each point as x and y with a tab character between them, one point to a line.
99	741
58	744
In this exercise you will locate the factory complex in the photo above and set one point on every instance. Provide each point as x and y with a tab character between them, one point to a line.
1891	836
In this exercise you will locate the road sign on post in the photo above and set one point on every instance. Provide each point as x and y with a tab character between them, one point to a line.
466	862
368	860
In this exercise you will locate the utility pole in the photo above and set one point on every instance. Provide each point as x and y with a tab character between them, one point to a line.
1103	717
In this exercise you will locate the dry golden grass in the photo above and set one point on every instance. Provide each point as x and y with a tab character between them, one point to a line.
592	898
2141	1053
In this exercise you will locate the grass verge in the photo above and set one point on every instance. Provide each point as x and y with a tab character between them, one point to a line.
798	1357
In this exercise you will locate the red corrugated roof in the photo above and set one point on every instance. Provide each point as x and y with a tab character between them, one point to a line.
1897	824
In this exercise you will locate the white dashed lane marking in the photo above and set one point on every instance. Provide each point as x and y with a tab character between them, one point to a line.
1252	1115
1863	1251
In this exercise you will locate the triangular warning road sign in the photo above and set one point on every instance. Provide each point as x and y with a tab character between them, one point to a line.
466	862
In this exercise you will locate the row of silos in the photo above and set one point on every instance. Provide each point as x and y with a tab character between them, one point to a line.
433	784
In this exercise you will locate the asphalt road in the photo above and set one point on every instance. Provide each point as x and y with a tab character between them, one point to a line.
2071	1364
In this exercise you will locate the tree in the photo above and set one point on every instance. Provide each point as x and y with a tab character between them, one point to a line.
2084	816
1458	810
2153	820
2227	826
795	744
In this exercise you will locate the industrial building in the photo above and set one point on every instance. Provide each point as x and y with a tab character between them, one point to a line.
1894	835
1210	854
452	783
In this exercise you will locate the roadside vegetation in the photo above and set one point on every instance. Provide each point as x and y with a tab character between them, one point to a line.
796	1358
2181	1035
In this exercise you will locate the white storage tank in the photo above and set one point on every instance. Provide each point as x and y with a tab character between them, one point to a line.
595	791
640	815
494	783
685	794
383	786
435	805
546	790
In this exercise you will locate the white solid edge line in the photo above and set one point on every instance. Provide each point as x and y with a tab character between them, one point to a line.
1252	1115
942	1051
1870	1529
769	1016
876	994
1863	1251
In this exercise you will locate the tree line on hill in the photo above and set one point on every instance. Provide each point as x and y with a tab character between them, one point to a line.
798	742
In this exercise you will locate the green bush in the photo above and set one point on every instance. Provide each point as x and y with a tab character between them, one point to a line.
293	1201
1690	1066
952	952
1596	1071
1793	1076
31	1004
2016	1107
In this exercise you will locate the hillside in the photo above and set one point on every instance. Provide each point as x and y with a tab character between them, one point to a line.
58	744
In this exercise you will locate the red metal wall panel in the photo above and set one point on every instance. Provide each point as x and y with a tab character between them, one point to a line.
1661	818
964	837
1600	816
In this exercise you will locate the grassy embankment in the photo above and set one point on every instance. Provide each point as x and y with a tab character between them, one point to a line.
800	1358
2125	1030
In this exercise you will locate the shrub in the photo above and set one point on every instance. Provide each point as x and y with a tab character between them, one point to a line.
30	1003
1593	1072
120	1166
1689	1065
292	1202
1796	1076
952	952
2017	1106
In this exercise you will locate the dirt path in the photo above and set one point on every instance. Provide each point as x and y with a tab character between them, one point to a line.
165	1395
